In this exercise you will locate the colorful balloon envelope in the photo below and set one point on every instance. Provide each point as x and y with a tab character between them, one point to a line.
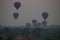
28	24
45	15
17	5
34	21
38	24
15	15
44	23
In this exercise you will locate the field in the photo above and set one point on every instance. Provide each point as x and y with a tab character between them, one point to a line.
51	32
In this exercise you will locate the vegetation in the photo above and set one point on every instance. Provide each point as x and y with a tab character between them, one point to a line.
36	33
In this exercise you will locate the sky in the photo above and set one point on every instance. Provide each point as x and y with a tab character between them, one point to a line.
29	10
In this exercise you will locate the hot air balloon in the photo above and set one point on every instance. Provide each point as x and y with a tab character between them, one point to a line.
17	5
45	15
15	15
44	23
34	22
38	24
28	24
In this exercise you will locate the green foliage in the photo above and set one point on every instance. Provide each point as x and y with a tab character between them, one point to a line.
38	33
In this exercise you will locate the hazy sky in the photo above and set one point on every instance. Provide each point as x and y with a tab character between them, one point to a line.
29	10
